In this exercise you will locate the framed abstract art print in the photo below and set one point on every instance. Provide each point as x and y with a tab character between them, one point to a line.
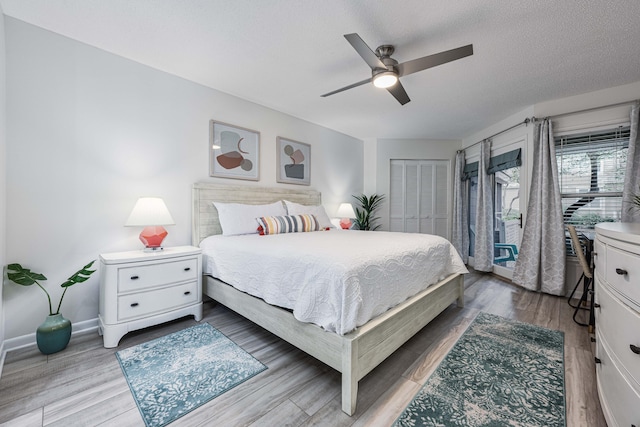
294	161
234	152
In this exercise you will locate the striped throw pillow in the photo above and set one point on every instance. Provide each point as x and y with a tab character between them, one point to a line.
287	224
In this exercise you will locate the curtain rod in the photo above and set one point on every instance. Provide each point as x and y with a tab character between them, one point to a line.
534	118
524	122
586	110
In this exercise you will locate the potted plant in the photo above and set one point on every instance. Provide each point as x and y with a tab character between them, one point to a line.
364	214
54	334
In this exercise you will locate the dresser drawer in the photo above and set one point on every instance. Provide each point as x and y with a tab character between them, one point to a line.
620	401
149	275
619	326
622	271
142	304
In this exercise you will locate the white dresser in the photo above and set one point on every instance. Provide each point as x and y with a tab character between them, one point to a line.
617	312
140	289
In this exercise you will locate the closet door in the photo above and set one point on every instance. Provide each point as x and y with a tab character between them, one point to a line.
419	196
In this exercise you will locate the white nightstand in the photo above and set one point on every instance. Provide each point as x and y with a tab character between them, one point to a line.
140	289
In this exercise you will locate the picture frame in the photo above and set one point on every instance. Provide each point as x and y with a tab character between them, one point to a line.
294	161
234	151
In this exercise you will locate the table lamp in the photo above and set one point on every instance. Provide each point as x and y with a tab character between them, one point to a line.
150	213
345	211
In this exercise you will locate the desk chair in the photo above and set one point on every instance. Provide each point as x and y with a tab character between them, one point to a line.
586	278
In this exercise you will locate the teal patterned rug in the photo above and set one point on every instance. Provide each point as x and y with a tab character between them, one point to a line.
173	375
499	373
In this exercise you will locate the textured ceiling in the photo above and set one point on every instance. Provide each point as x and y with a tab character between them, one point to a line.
284	54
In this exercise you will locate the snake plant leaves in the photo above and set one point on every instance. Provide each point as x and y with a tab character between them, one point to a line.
23	276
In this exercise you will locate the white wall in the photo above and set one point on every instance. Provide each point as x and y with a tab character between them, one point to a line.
89	132
3	197
370	153
407	149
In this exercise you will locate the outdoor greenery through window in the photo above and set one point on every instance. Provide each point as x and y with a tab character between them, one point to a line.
591	170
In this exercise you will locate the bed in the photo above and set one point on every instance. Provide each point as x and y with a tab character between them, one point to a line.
355	353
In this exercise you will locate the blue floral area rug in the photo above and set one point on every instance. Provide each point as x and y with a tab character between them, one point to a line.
499	373
173	375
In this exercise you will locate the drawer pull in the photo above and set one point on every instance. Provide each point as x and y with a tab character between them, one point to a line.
134	277
634	348
187	268
593	339
187	292
621	271
134	304
596	305
597	360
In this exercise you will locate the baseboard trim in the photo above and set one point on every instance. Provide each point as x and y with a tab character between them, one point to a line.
30	339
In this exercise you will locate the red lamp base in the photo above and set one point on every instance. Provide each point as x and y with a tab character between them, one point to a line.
152	237
345	223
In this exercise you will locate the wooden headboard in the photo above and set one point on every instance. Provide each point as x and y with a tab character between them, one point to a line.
205	216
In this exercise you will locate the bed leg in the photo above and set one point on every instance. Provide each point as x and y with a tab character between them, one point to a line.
349	377
461	291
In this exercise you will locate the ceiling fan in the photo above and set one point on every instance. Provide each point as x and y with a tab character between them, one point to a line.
385	71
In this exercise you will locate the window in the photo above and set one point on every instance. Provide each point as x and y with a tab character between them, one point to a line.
591	170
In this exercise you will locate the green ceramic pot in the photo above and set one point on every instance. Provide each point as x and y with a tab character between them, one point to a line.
54	334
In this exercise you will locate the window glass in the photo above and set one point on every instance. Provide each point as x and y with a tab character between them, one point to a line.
591	169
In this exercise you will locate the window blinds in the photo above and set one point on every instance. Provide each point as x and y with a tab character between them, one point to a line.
497	163
591	170
470	170
504	161
592	162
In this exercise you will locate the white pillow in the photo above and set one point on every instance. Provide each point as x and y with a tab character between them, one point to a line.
237	218
317	211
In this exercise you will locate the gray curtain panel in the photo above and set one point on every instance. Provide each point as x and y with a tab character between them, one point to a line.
460	231
483	250
630	212
541	263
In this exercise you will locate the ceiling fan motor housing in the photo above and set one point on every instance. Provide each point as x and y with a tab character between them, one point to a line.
384	52
390	63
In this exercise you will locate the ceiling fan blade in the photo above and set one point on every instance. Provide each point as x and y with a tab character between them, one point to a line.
348	87
364	51
425	62
398	92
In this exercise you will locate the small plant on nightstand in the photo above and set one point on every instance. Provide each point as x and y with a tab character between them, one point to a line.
364	214
54	334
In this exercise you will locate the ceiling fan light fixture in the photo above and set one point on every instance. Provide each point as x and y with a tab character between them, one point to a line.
385	79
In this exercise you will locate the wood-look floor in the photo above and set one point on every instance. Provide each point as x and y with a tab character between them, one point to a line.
84	386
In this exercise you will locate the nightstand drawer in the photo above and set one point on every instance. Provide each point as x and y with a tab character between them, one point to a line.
153	275
142	304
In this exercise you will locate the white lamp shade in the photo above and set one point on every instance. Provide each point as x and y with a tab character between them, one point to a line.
149	211
345	211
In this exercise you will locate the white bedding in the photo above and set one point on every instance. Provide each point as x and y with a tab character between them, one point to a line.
336	279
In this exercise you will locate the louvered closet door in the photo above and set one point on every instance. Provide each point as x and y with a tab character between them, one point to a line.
419	196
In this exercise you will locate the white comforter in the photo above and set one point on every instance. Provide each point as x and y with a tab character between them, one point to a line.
336	279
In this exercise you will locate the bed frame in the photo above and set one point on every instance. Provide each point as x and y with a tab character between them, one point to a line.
354	354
